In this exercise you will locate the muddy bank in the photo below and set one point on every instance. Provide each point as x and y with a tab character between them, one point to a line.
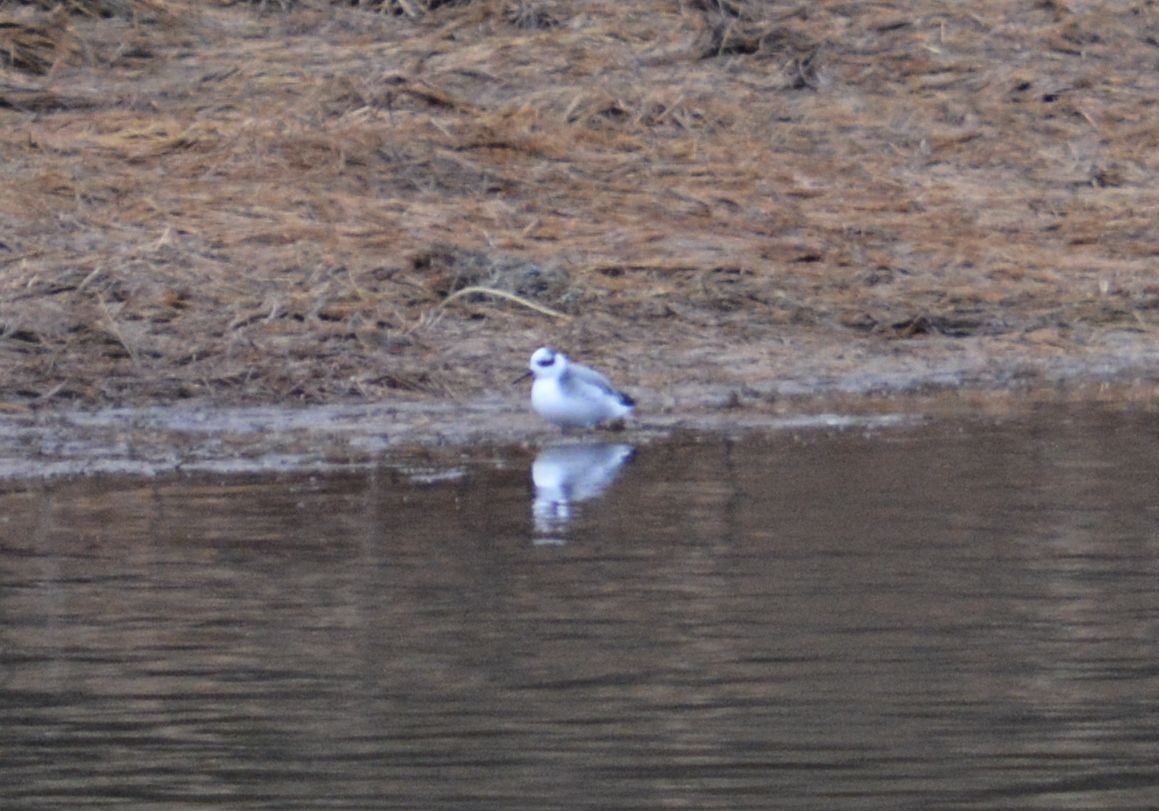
723	204
427	442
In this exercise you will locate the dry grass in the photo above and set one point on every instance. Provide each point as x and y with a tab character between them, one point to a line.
261	201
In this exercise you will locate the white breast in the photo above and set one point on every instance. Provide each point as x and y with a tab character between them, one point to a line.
572	403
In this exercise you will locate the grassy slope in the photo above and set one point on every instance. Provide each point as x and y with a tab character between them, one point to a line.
201	200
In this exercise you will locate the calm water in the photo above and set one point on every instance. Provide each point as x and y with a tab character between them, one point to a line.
956	615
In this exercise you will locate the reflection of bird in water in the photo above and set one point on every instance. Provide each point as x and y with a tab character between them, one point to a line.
564	475
570	395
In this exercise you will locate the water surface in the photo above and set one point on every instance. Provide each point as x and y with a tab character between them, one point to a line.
952	615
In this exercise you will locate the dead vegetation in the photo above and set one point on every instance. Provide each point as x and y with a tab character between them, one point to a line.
270	201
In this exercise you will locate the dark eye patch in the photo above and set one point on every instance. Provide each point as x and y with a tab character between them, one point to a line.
546	361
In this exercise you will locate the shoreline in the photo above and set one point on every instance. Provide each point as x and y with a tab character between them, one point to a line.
428	438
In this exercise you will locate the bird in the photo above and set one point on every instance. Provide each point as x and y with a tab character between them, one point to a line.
570	395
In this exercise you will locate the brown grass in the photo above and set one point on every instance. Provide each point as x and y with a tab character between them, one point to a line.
266	201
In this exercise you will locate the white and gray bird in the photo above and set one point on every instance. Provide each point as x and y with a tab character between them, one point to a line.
570	395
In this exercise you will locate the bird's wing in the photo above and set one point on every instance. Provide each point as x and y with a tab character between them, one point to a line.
590	376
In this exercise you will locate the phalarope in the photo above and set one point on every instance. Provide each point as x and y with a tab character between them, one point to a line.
570	395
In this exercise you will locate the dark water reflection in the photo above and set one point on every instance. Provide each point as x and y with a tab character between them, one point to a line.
960	615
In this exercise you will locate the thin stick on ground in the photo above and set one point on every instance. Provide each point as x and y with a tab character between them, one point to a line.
503	294
115	331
